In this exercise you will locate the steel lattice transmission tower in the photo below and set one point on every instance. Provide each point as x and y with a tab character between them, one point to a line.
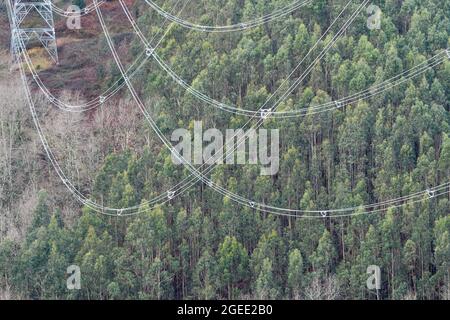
27	31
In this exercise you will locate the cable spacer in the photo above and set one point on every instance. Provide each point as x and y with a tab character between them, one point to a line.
265	113
149	51
170	194
431	193
324	214
101	99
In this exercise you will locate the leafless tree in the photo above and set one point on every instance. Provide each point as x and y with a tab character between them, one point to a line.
12	116
323	289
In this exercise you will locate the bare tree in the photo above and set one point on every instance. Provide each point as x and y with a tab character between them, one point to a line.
323	289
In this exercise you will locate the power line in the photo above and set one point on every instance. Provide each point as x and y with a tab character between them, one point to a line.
416	197
150	51
88	202
134	68
156	129
254	204
276	14
54	162
328	106
111	91
119	84
150	119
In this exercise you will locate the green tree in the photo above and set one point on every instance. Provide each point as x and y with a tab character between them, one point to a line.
295	273
323	258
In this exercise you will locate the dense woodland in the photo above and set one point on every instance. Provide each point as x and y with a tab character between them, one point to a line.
202	245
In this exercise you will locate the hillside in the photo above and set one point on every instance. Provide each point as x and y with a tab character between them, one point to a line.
306	231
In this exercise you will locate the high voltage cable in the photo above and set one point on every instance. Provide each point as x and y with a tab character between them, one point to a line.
193	170
156	128
392	201
374	90
121	68
365	94
109	93
102	98
358	213
150	51
94	103
436	192
86	201
105	210
251	203
233	27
